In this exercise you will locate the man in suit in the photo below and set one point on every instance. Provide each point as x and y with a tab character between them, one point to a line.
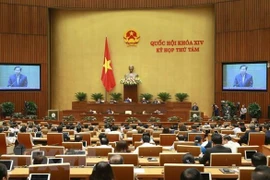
17	79
65	135
244	138
267	134
195	107
258	159
146	143
194	129
261	173
218	148
243	79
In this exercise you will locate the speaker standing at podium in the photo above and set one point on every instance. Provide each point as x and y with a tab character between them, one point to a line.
195	107
17	79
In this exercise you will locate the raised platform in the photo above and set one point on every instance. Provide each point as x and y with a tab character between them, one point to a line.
81	109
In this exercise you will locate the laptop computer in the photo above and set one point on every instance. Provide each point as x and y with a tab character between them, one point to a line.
206	176
37	153
55	160
39	176
249	154
8	164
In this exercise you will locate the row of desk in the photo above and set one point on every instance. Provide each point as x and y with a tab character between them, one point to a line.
144	172
43	140
143	161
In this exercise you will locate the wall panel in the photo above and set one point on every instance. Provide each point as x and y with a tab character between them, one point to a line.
17	48
242	35
230	16
23	19
111	4
23	39
264	44
237	46
257	14
19	97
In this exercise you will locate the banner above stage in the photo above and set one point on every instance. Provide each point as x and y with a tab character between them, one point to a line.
180	46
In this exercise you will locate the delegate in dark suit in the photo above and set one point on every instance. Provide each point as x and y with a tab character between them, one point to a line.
244	138
247	82
216	149
22	81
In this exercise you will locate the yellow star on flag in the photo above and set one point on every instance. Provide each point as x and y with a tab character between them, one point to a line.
107	65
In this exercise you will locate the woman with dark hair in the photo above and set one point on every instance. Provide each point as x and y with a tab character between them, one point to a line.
102	171
121	146
188	159
166	130
23	129
40	160
191	174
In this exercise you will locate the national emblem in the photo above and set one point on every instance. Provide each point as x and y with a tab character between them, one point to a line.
131	37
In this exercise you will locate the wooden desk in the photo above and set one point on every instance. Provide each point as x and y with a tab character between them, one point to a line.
171	108
143	161
266	150
157	172
82	173
43	140
245	162
91	161
148	172
217	174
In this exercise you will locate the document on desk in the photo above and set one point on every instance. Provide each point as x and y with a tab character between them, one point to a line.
227	170
138	170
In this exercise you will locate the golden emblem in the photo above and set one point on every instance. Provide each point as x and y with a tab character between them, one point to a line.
131	38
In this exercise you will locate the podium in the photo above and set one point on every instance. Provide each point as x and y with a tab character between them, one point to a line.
131	91
198	113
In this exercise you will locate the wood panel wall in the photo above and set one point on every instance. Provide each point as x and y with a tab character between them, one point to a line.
242	34
24	39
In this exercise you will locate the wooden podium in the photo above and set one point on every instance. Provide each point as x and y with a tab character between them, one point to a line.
131	91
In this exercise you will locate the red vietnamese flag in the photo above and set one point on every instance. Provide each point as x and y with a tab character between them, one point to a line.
107	76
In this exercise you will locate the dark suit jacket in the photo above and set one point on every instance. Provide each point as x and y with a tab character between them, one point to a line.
244	138
12	82
248	82
66	137
267	137
195	108
215	149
